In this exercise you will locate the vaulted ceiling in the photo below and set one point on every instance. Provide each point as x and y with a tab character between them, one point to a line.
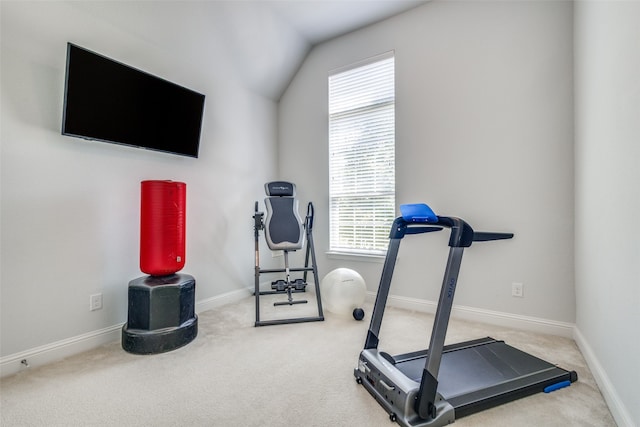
321	20
268	39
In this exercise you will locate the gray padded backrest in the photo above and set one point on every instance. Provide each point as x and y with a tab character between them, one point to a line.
280	188
283	226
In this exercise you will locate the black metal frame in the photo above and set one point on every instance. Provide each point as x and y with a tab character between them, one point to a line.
290	287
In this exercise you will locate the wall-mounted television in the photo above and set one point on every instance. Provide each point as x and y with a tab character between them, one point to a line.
108	101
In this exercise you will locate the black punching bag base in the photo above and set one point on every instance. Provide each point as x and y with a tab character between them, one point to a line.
161	314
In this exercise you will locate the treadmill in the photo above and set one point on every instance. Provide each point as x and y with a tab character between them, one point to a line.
434	387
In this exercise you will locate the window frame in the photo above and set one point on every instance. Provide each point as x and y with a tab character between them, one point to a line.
374	242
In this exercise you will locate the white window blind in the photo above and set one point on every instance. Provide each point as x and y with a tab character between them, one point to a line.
362	157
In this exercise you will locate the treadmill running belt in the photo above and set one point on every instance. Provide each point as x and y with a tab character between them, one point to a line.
469	369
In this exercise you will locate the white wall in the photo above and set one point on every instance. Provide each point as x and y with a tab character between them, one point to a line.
608	198
484	131
70	207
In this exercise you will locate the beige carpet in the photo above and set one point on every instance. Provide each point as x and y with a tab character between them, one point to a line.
234	374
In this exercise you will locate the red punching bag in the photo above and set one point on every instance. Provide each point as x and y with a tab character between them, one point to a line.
162	227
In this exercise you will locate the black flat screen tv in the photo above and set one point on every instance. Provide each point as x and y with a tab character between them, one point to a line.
108	101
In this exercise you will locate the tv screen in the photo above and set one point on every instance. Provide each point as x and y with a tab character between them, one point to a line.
108	101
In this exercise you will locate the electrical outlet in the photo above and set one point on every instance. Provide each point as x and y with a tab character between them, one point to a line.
95	302
517	290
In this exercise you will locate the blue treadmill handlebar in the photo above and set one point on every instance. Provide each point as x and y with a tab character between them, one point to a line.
417	218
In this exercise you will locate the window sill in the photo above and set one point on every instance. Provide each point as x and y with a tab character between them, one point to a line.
354	256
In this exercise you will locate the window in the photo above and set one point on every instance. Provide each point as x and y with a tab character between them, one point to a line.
362	156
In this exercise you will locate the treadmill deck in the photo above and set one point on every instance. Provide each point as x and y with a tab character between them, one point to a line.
479	374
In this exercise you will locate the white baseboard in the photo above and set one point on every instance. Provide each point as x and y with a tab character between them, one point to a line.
58	350
224	299
618	409
526	323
